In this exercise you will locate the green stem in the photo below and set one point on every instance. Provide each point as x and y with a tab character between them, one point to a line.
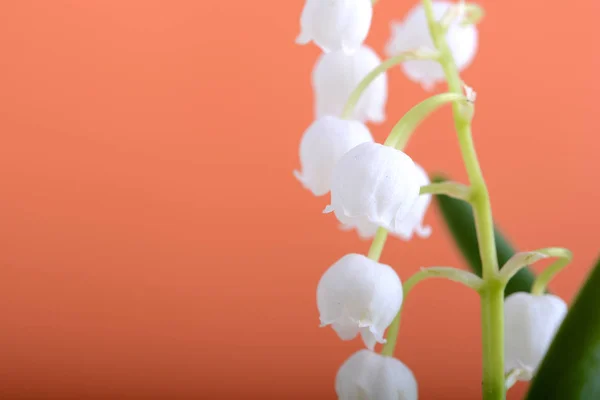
392	335
492	300
378	244
380	69
452	189
466	278
565	257
480	197
521	260
402	131
492	331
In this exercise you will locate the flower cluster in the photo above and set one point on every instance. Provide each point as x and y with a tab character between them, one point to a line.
376	188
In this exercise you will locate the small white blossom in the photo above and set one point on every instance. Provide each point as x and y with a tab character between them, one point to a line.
359	295
374	184
530	325
324	142
370	376
413	33
337	74
410	225
335	24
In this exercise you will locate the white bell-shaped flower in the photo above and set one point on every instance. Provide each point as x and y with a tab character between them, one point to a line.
363	226
410	225
530	323
359	295
335	24
370	376
324	142
374	183
337	74
413	34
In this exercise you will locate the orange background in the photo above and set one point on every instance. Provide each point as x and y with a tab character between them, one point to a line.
154	242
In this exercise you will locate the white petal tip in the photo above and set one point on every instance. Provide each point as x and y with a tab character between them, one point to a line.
364	236
428	85
323	324
298	175
395	25
328	209
377	117
345	228
303	39
423	231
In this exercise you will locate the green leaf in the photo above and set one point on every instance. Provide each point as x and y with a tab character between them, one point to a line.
571	368
458	216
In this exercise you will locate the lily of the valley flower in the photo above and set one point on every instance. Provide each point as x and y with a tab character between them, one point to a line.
359	295
335	24
413	222
324	142
413	33
337	74
410	225
363	226
370	376
375	184
530	325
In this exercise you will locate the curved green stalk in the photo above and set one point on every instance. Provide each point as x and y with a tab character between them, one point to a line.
492	296
401	132
377	244
374	74
468	279
521	260
452	189
392	335
565	257
457	275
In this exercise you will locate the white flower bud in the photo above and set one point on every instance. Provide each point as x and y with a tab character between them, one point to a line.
324	142
370	376
357	294
530	323
335	24
374	183
413	33
337	74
